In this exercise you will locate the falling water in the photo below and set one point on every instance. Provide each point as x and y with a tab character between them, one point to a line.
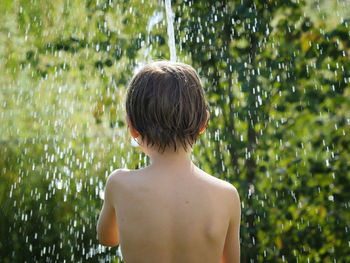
171	35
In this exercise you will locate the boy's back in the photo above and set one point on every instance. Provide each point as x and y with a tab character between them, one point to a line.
173	214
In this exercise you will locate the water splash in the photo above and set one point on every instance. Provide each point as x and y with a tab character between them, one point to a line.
171	35
156	18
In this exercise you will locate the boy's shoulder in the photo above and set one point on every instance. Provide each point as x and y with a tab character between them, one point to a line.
117	175
123	177
120	171
221	185
116	181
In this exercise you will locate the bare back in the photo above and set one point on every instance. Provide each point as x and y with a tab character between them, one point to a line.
172	216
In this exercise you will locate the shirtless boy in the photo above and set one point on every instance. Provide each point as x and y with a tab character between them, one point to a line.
170	211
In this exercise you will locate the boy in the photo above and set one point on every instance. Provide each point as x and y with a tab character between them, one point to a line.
170	211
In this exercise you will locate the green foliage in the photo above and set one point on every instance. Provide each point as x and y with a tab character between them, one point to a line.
277	81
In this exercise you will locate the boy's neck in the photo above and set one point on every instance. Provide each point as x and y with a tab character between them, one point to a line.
180	159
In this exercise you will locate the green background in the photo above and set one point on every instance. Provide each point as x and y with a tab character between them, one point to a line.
276	76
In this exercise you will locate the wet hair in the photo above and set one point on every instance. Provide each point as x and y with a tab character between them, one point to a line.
166	104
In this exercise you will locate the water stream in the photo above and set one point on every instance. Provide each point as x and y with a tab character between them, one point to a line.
170	29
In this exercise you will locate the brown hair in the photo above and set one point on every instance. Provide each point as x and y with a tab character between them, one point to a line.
166	104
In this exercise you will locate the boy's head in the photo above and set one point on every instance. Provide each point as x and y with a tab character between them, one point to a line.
166	105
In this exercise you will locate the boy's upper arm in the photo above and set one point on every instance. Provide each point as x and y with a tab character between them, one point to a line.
107	226
231	253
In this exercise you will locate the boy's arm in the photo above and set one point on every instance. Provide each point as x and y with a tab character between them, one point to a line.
107	227
231	253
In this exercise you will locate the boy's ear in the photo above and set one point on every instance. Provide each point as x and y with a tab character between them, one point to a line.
134	133
205	124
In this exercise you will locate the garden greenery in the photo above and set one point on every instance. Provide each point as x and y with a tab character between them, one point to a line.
276	76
